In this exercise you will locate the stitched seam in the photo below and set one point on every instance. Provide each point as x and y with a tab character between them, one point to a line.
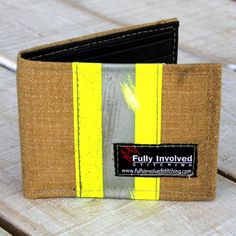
209	123
78	108
88	190
174	41
56	72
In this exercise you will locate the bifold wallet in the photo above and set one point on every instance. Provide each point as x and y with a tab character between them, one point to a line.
111	115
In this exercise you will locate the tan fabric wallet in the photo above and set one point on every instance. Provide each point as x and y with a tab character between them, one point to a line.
111	115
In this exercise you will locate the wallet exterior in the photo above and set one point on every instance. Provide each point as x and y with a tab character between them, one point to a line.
84	126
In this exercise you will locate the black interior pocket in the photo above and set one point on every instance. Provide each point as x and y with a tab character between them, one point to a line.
157	43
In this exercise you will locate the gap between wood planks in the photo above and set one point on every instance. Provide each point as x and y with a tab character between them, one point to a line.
11	228
7	64
226	175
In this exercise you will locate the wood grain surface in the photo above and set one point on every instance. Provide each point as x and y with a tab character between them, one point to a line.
207	34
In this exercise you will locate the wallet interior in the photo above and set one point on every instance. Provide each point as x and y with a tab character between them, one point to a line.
153	43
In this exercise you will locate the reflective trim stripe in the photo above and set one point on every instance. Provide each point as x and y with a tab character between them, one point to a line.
118	125
145	103
148	90
89	130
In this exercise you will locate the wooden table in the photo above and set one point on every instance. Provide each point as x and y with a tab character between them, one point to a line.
207	34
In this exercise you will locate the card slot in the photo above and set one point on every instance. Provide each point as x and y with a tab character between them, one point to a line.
131	55
104	54
127	42
45	54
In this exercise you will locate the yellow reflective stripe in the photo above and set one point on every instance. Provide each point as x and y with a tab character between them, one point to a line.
89	98
76	141
148	89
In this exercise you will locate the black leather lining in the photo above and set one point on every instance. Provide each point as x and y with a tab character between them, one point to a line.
157	43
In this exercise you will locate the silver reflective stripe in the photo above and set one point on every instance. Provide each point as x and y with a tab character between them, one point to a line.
118	126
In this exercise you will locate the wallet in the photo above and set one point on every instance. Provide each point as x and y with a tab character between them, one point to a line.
112	115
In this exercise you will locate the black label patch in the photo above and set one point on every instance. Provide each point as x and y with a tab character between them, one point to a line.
163	160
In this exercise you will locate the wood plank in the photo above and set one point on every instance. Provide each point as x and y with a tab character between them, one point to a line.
210	38
3	232
70	216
